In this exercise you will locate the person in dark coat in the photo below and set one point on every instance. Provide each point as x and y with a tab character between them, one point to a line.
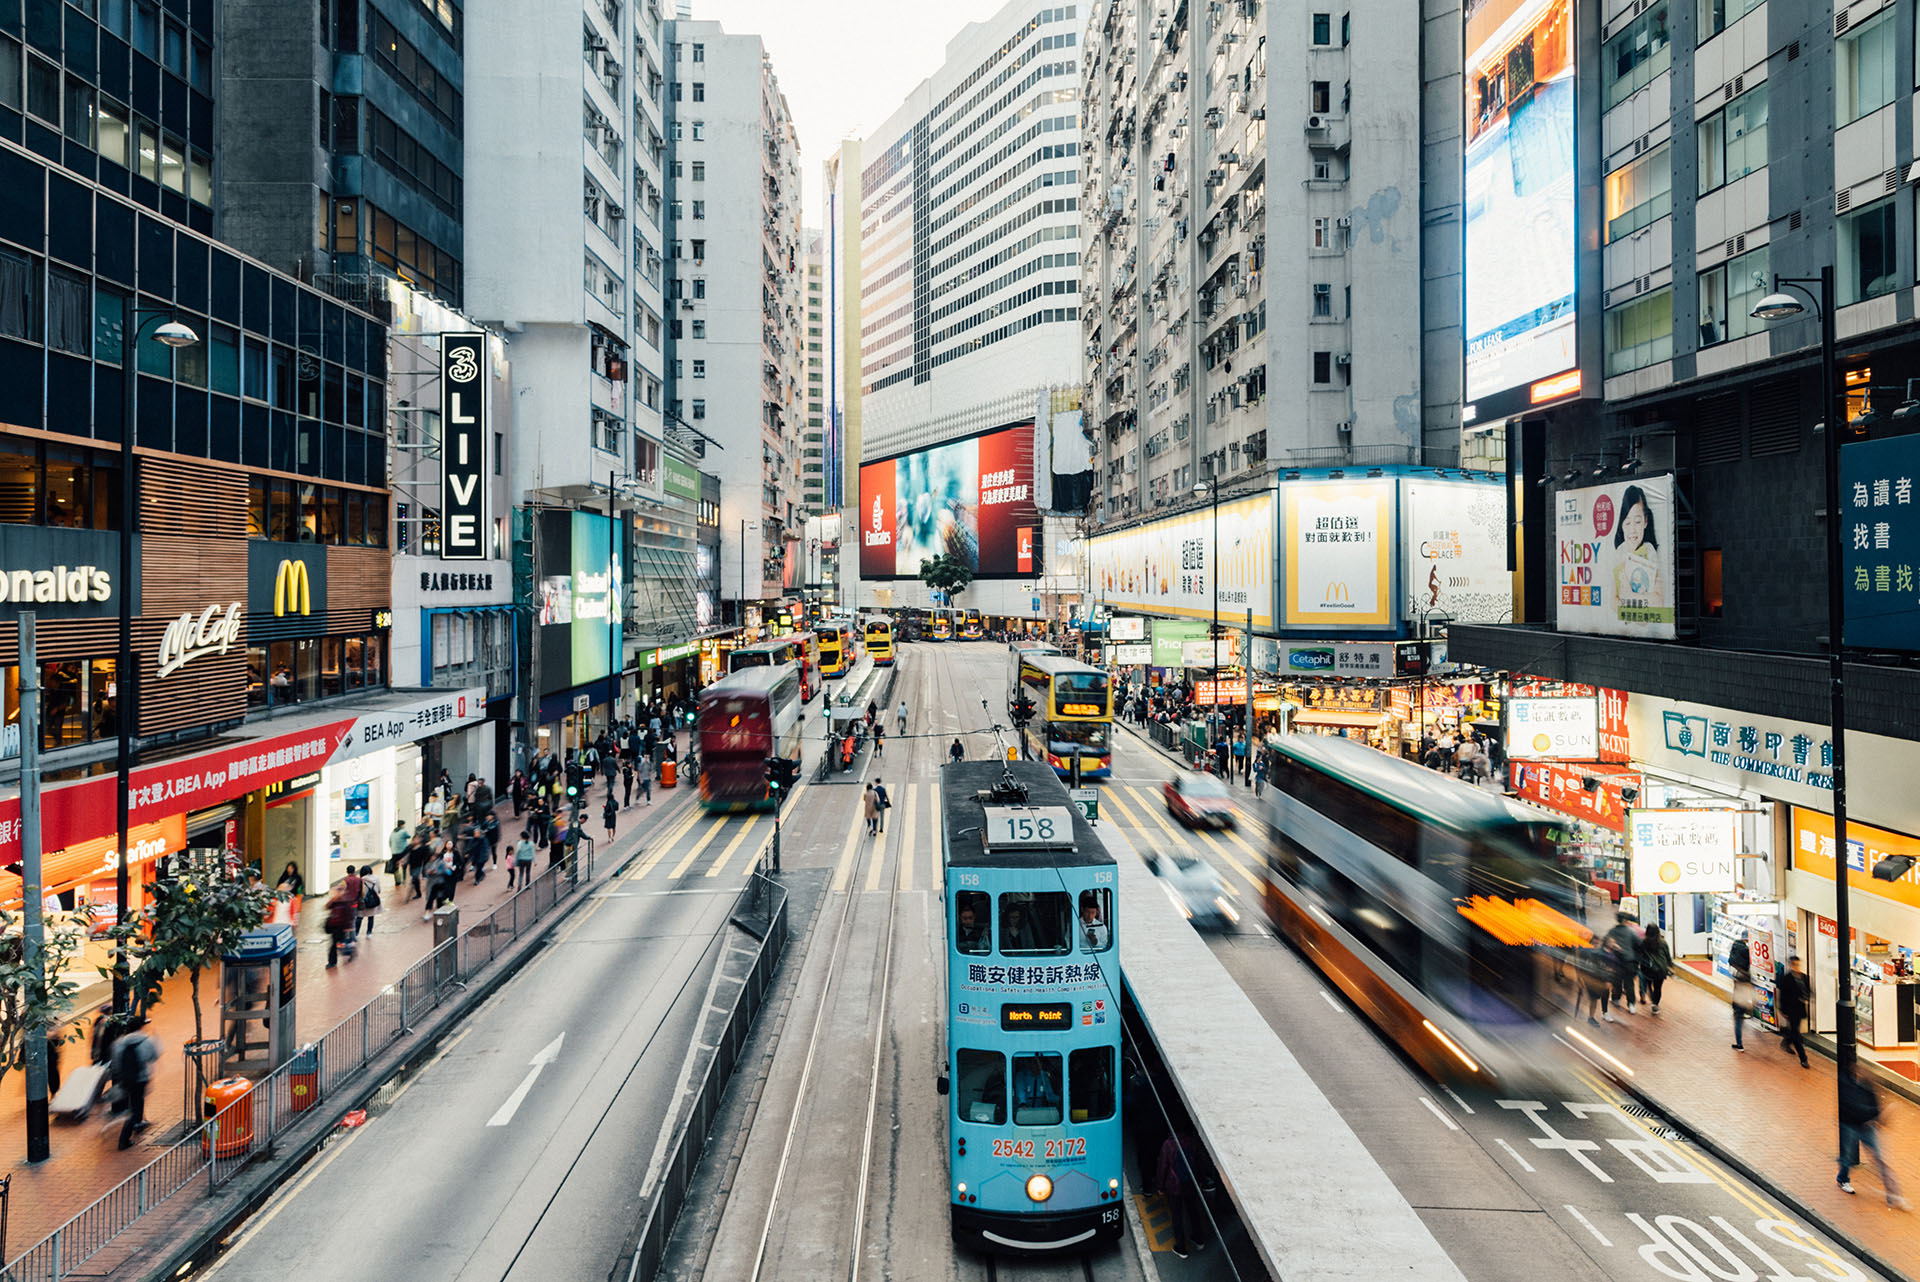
1740	962
1622	947
1656	963
1792	999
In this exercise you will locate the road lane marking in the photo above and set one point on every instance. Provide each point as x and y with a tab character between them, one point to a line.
1328	998
541	1058
906	838
706	838
732	846
1514	1153
876	862
1440	1113
843	871
669	840
1574	1211
936	849
1464	1106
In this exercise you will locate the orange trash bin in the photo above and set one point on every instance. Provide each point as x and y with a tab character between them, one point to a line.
303	1079
669	772
231	1100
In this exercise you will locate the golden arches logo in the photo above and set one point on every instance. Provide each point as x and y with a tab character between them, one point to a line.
1338	592
292	592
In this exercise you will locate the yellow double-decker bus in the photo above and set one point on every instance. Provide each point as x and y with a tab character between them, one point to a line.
942	624
837	652
972	626
878	631
1073	712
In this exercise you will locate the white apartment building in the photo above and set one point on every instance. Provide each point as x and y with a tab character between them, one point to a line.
1269	284
736	298
813	480
969	262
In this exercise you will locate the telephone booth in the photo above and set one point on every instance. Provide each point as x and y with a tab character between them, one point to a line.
257	1002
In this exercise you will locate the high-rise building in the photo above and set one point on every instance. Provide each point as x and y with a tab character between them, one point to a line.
340	140
840	303
813	463
1254	276
736	293
969	279
565	246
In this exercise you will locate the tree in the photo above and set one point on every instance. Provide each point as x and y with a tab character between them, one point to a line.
195	917
34	991
944	573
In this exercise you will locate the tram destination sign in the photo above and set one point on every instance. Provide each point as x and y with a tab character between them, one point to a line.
1029	828
1024	1018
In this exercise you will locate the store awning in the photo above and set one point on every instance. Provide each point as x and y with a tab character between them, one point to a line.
1323	717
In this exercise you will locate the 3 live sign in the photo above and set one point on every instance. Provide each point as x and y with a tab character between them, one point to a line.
1880	539
463	456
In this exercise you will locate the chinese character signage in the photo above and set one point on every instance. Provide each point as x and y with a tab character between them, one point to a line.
1616	559
1564	788
1566	729
1456	549
1167	566
1866	846
1880	541
1337	571
1683	851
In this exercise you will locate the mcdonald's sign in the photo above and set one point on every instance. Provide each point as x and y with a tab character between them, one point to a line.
1337	594
292	589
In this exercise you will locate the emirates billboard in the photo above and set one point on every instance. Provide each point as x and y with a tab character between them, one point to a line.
971	499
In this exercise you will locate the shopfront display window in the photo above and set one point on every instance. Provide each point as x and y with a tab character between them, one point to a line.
303	670
78	704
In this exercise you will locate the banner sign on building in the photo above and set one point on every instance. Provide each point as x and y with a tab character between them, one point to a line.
1167	566
1132	652
1456	549
682	480
1563	729
463	447
1127	628
1338	573
1564	788
1170	637
1616	559
1880	539
1683	851
971	499
1866	846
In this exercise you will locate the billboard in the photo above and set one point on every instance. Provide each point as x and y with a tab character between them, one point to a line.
1170	637
463	456
1880	539
1166	566
971	499
1520	203
1338	573
1456	549
1563	729
1565	788
1616	559
576	607
1683	851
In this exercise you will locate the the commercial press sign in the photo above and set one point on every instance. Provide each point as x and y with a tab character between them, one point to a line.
463	451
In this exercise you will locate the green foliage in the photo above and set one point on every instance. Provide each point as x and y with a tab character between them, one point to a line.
944	573
34	990
193	919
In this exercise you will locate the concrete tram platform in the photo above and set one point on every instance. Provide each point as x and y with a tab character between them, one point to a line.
1313	1201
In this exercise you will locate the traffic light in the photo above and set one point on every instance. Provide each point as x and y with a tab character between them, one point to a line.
1022	709
782	774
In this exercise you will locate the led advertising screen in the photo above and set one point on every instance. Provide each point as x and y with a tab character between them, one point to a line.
1616	559
1167	566
971	499
580	585
1520	201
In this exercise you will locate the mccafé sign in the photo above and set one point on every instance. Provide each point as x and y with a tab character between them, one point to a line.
188	638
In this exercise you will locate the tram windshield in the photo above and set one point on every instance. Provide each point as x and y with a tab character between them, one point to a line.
1036	1090
1036	922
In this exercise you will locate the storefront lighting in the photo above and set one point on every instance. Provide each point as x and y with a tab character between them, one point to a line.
1750	907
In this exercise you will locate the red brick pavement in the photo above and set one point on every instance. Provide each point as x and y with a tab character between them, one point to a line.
87	1161
1767	1113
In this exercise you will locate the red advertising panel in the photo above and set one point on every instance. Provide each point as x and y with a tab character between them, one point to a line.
877	509
1006	501
1564	788
1613	724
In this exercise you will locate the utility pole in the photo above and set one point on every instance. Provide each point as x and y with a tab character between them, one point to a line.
39	1145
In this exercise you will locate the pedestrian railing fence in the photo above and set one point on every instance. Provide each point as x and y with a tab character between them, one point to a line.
224	1144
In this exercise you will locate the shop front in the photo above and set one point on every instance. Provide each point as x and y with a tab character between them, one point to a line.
669	670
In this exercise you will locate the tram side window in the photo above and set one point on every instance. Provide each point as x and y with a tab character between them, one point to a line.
970	909
1096	921
1090	1083
1036	922
1036	1090
980	1093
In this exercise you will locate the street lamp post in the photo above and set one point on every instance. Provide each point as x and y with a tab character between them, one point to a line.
1211	486
176	335
1779	306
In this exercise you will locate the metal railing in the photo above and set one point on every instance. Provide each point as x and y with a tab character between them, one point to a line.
762	898
222	1145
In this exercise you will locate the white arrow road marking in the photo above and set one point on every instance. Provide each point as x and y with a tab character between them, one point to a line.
543	1057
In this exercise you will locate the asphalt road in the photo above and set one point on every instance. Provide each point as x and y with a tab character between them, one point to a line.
1576	1183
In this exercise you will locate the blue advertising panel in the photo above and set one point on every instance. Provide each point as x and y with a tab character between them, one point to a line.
1880	541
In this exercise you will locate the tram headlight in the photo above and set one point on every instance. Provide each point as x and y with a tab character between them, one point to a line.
1039	1188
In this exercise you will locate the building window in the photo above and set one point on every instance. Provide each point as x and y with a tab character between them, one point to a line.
699	329
699	369
19	296
1733	141
1868	258
699	91
1346	29
699	209
1323	300
1863	69
1712	598
699	130
699	408
1320	96
1323	28
699	246
1728	294
1323	367
699	286
1632	59
43	90
699	53
1640	333
1640	193
1715	15
699	171
1323	233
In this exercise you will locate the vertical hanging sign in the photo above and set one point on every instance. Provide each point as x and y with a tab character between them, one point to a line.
463	448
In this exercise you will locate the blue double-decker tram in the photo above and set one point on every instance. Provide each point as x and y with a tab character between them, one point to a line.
1033	1015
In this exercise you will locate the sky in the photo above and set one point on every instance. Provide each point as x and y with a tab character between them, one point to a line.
844	65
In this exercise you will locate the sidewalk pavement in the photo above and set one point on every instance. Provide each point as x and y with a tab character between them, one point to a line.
87	1161
1763	1113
